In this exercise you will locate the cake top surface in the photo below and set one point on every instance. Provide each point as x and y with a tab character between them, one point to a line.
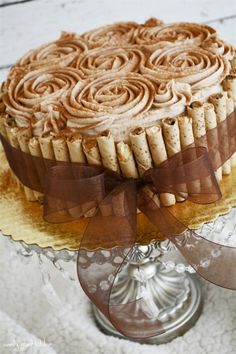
116	77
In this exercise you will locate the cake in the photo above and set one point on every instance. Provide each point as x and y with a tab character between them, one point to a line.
126	96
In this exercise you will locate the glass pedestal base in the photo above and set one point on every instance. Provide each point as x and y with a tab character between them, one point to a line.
180	321
173	296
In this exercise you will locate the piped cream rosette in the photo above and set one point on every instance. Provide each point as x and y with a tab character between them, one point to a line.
115	60
172	96
109	102
121	33
175	33
198	67
219	47
30	91
121	103
60	52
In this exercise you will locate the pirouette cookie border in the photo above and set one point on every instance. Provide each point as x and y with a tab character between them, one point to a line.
23	221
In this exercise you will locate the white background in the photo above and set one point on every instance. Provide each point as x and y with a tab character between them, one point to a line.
25	315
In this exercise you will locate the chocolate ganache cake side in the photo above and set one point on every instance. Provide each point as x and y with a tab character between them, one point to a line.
125	96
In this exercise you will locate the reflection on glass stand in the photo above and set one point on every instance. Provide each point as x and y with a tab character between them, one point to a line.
155	272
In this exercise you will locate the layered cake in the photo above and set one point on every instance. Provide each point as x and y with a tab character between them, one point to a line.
126	96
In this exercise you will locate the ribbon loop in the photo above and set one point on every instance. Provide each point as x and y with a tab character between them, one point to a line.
189	174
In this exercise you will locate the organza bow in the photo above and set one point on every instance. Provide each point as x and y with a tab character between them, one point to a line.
72	191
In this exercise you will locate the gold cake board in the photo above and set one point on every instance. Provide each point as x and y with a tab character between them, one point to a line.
22	220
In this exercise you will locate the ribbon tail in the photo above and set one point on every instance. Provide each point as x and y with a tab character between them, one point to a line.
100	270
213	261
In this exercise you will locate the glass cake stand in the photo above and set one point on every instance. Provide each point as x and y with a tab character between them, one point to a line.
156	272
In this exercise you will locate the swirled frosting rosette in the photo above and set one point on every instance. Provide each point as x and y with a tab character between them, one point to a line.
175	33
60	52
172	95
121	33
170	100
27	90
190	64
109	102
116	77
219	47
115	60
47	118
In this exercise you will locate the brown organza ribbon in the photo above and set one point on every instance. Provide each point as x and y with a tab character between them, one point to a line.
72	190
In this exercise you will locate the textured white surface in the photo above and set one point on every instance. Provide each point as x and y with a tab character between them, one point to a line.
26	318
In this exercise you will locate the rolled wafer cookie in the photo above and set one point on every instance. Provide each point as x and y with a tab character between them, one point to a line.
210	116
45	143
91	151
149	195
171	135
156	144
23	136
106	209
107	150
230	109
159	155
196	112
229	85
116	207
12	137
118	204
60	149
34	148
140	149
46	147
186	131
3	130
220	104
54	150
187	139
74	144
61	152
233	62
126	160
115	210
211	123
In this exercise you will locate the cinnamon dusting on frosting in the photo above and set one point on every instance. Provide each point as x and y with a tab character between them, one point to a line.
60	52
116	78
